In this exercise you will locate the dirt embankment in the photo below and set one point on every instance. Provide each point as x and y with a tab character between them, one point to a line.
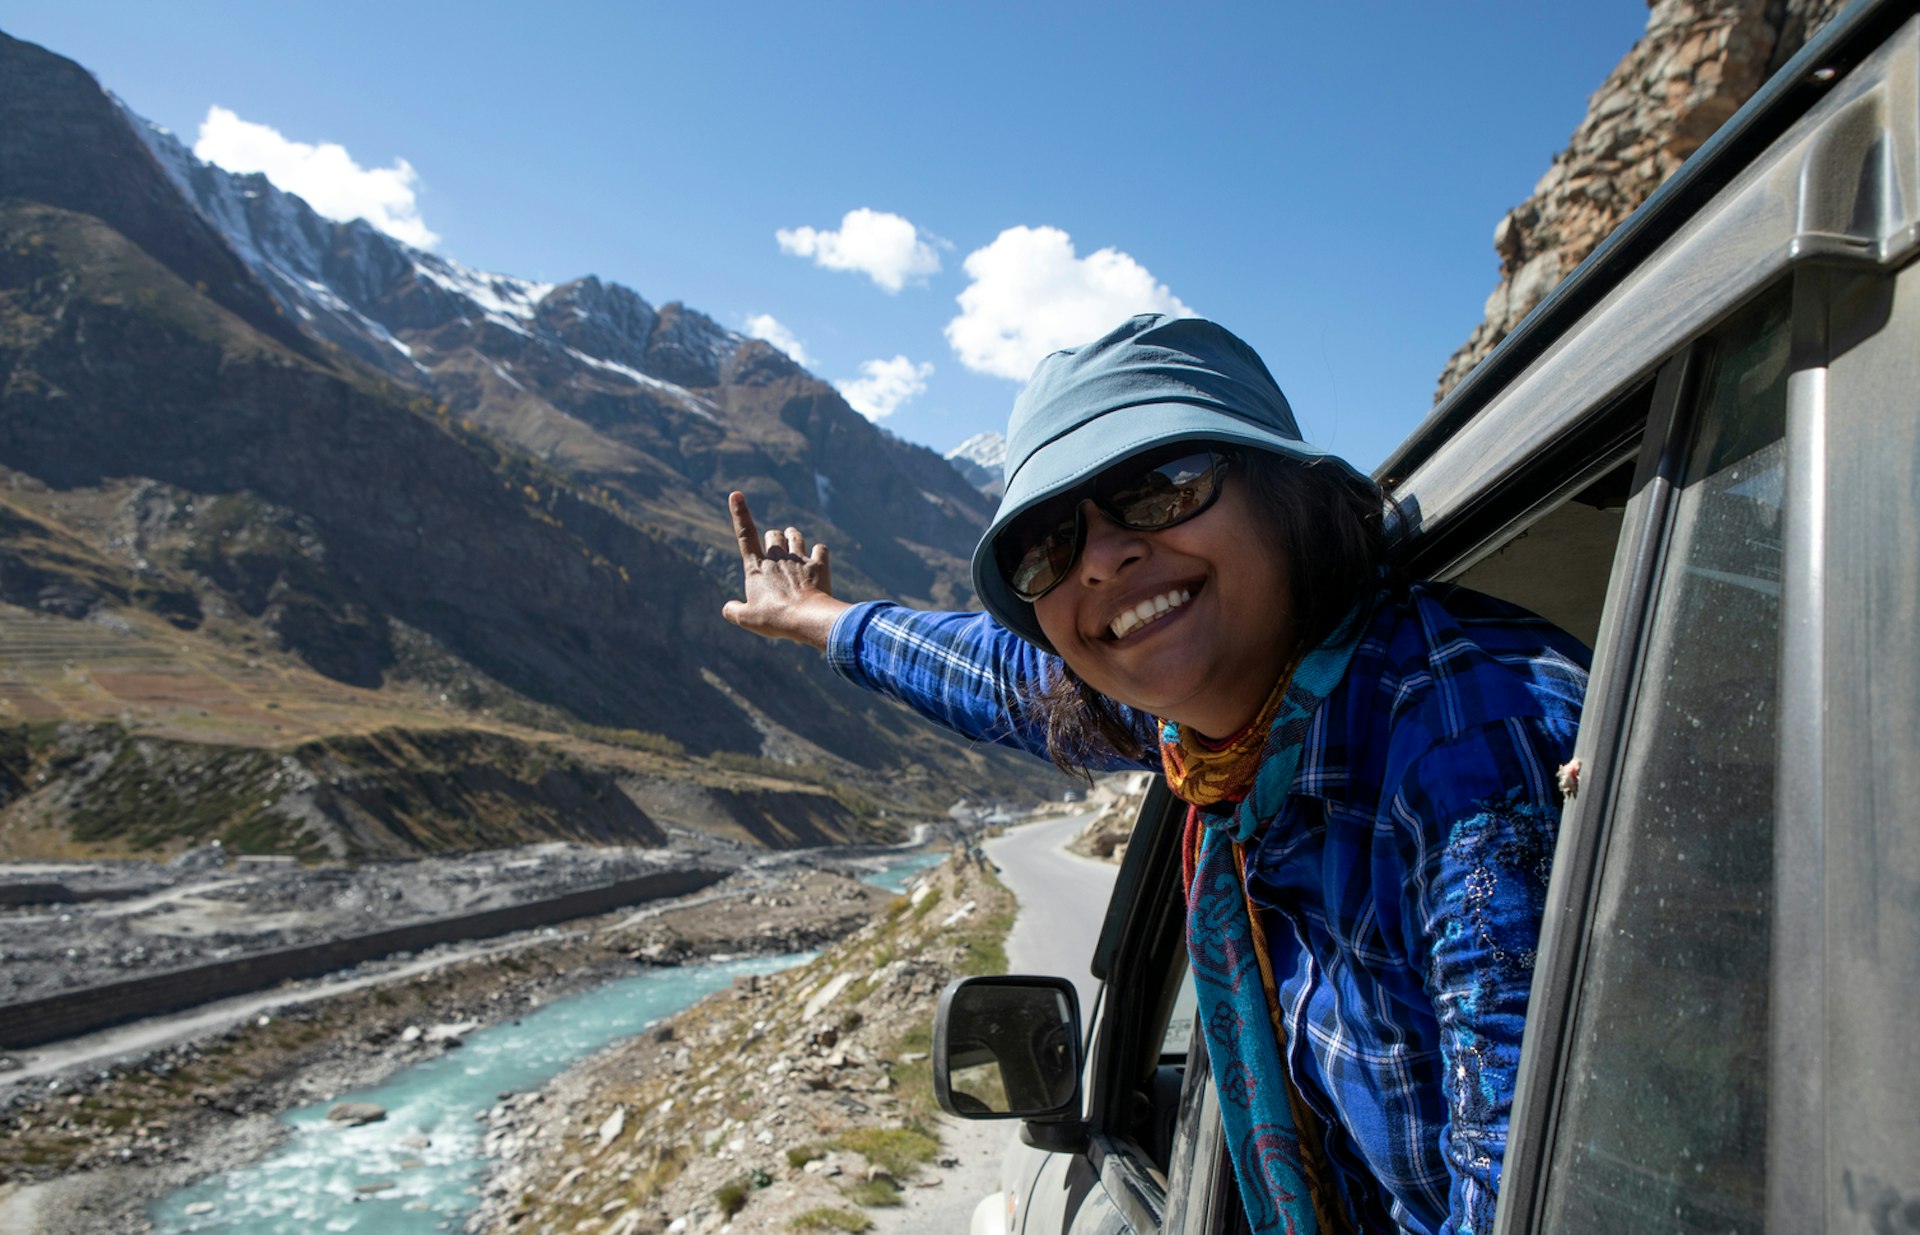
800	1100
86	1153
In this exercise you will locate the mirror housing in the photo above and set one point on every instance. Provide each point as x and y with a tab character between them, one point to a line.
1008	1047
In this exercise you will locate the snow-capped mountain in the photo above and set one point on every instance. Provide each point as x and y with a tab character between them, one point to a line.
662	409
358	288
982	459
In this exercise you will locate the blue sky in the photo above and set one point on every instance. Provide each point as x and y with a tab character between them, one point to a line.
1322	179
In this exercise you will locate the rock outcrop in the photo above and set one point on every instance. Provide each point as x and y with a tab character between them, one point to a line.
1697	63
1117	798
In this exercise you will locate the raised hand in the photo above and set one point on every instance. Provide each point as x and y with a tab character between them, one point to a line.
789	587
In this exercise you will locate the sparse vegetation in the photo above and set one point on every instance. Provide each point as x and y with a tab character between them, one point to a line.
800	1155
900	1151
828	1219
731	1197
874	1194
838	1106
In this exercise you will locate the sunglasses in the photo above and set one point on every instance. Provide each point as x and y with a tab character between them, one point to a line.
1145	494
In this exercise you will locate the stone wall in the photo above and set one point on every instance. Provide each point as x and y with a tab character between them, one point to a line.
71	1013
1697	63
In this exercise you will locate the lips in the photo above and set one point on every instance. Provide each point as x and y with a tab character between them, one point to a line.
1148	611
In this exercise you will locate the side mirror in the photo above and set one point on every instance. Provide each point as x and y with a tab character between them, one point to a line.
1008	1048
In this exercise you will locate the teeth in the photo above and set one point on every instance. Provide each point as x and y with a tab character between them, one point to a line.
1148	611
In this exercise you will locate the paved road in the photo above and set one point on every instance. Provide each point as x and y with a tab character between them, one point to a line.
1063	898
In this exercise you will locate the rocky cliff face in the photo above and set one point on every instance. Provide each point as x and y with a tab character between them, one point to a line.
64	143
1697	63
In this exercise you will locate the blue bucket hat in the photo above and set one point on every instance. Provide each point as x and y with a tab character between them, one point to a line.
1154	381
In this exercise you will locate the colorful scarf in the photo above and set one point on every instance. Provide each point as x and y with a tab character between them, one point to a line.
1269	1134
1205	773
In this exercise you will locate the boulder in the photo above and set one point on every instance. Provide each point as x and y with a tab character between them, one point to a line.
353	1114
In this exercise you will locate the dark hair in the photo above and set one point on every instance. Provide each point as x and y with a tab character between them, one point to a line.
1332	529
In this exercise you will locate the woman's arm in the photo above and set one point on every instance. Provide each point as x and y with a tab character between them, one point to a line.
961	670
1482	814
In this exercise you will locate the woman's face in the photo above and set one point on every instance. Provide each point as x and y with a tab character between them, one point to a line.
1222	626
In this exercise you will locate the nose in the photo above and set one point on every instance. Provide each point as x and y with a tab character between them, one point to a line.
1109	549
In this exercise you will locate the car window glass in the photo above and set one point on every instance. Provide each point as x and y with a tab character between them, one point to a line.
1663	1121
1179	1035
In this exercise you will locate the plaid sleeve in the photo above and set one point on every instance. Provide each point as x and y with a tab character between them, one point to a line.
1480	813
963	671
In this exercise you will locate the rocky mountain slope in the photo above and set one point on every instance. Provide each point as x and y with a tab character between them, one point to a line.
1698	61
218	503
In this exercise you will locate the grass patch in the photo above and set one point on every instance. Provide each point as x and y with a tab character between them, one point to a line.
656	1178
913	1082
985	938
901	1151
800	1155
826	1219
731	1197
874	1194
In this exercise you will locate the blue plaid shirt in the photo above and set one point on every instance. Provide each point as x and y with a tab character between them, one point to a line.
1403	880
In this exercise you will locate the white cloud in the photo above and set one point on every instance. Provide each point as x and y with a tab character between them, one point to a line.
885	247
883	385
325	175
767	326
1031	296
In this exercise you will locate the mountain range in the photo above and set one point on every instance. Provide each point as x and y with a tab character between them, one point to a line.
237	438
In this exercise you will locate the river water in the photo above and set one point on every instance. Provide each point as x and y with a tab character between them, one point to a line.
415	1172
898	874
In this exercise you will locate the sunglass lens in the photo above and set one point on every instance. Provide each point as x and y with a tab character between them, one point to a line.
1167	494
1039	557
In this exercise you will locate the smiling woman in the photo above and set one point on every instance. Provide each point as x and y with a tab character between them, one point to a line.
1176	580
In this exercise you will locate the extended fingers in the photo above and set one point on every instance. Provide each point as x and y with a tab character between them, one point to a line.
743	529
790	543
